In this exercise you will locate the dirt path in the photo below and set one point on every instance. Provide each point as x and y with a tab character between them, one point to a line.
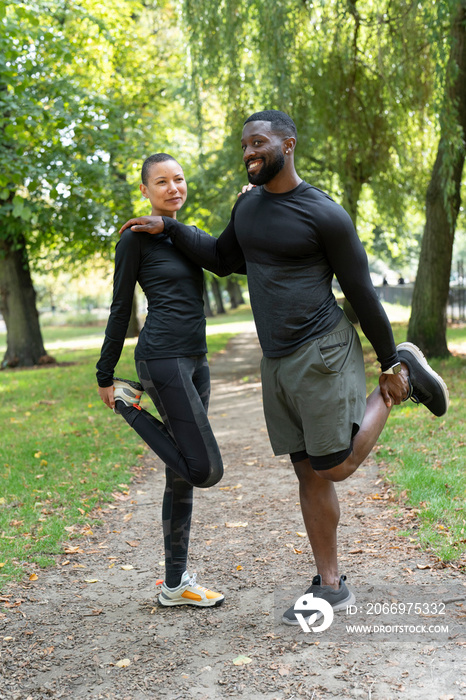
90	628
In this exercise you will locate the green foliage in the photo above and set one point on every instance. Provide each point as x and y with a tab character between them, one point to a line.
81	108
357	79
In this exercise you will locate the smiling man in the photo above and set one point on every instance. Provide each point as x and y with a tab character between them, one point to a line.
293	239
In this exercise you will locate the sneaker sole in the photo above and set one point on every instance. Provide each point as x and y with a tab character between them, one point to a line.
341	605
197	604
419	355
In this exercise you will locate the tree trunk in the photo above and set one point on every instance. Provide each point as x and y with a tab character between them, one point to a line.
428	322
217	292
234	292
134	327
207	307
25	347
231	293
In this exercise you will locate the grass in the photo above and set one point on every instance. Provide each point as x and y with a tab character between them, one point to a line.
61	455
424	457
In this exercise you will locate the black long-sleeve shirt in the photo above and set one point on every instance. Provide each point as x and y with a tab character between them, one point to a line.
173	285
293	243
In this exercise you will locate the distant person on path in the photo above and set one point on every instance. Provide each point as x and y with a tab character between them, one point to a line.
293	238
172	368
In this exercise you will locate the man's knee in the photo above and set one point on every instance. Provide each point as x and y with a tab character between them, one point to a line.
340	472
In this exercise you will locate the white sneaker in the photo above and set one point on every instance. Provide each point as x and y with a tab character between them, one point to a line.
189	593
127	391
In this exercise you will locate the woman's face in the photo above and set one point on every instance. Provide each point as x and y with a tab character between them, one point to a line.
166	188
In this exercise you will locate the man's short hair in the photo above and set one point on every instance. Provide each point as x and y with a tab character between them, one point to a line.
282	124
154	158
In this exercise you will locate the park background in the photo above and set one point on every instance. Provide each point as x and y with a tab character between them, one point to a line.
89	89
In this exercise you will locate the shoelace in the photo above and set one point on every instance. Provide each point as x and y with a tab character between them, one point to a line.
192	582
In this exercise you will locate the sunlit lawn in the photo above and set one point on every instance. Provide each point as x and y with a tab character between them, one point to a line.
424	457
62	454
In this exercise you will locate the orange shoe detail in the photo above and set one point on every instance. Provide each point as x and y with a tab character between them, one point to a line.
191	596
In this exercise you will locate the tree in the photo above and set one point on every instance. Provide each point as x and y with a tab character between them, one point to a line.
44	193
427	325
79	112
355	76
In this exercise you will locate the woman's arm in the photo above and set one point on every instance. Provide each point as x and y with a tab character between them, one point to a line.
127	256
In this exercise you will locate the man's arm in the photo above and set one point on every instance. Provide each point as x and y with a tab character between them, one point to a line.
221	255
348	259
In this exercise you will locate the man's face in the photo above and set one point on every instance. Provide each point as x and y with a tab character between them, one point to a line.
262	152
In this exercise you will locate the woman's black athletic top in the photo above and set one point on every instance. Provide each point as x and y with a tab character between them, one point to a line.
173	285
293	243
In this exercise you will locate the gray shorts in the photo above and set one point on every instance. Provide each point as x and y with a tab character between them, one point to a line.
315	398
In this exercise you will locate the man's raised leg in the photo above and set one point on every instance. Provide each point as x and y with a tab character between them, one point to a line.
365	439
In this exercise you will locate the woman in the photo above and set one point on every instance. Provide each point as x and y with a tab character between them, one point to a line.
171	364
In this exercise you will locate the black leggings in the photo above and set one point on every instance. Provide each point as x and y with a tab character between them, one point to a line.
180	390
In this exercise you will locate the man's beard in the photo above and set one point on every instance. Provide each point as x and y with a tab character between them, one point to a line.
267	171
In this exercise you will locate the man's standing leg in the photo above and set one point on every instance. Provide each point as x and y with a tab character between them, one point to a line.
321	514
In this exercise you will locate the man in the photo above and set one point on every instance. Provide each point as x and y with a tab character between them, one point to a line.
293	238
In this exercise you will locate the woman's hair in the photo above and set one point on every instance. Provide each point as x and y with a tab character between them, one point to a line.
154	158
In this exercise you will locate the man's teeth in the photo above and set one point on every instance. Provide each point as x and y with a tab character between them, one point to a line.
254	164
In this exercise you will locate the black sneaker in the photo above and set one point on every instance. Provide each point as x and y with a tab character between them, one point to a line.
127	391
338	599
427	386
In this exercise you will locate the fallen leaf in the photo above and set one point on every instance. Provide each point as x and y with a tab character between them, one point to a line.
127	517
123	663
2	563
236	524
126	567
239	567
301	534
33	577
423	566
91	580
132	543
242	660
73	550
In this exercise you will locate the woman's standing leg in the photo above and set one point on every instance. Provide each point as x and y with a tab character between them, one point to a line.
176	517
176	521
178	497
